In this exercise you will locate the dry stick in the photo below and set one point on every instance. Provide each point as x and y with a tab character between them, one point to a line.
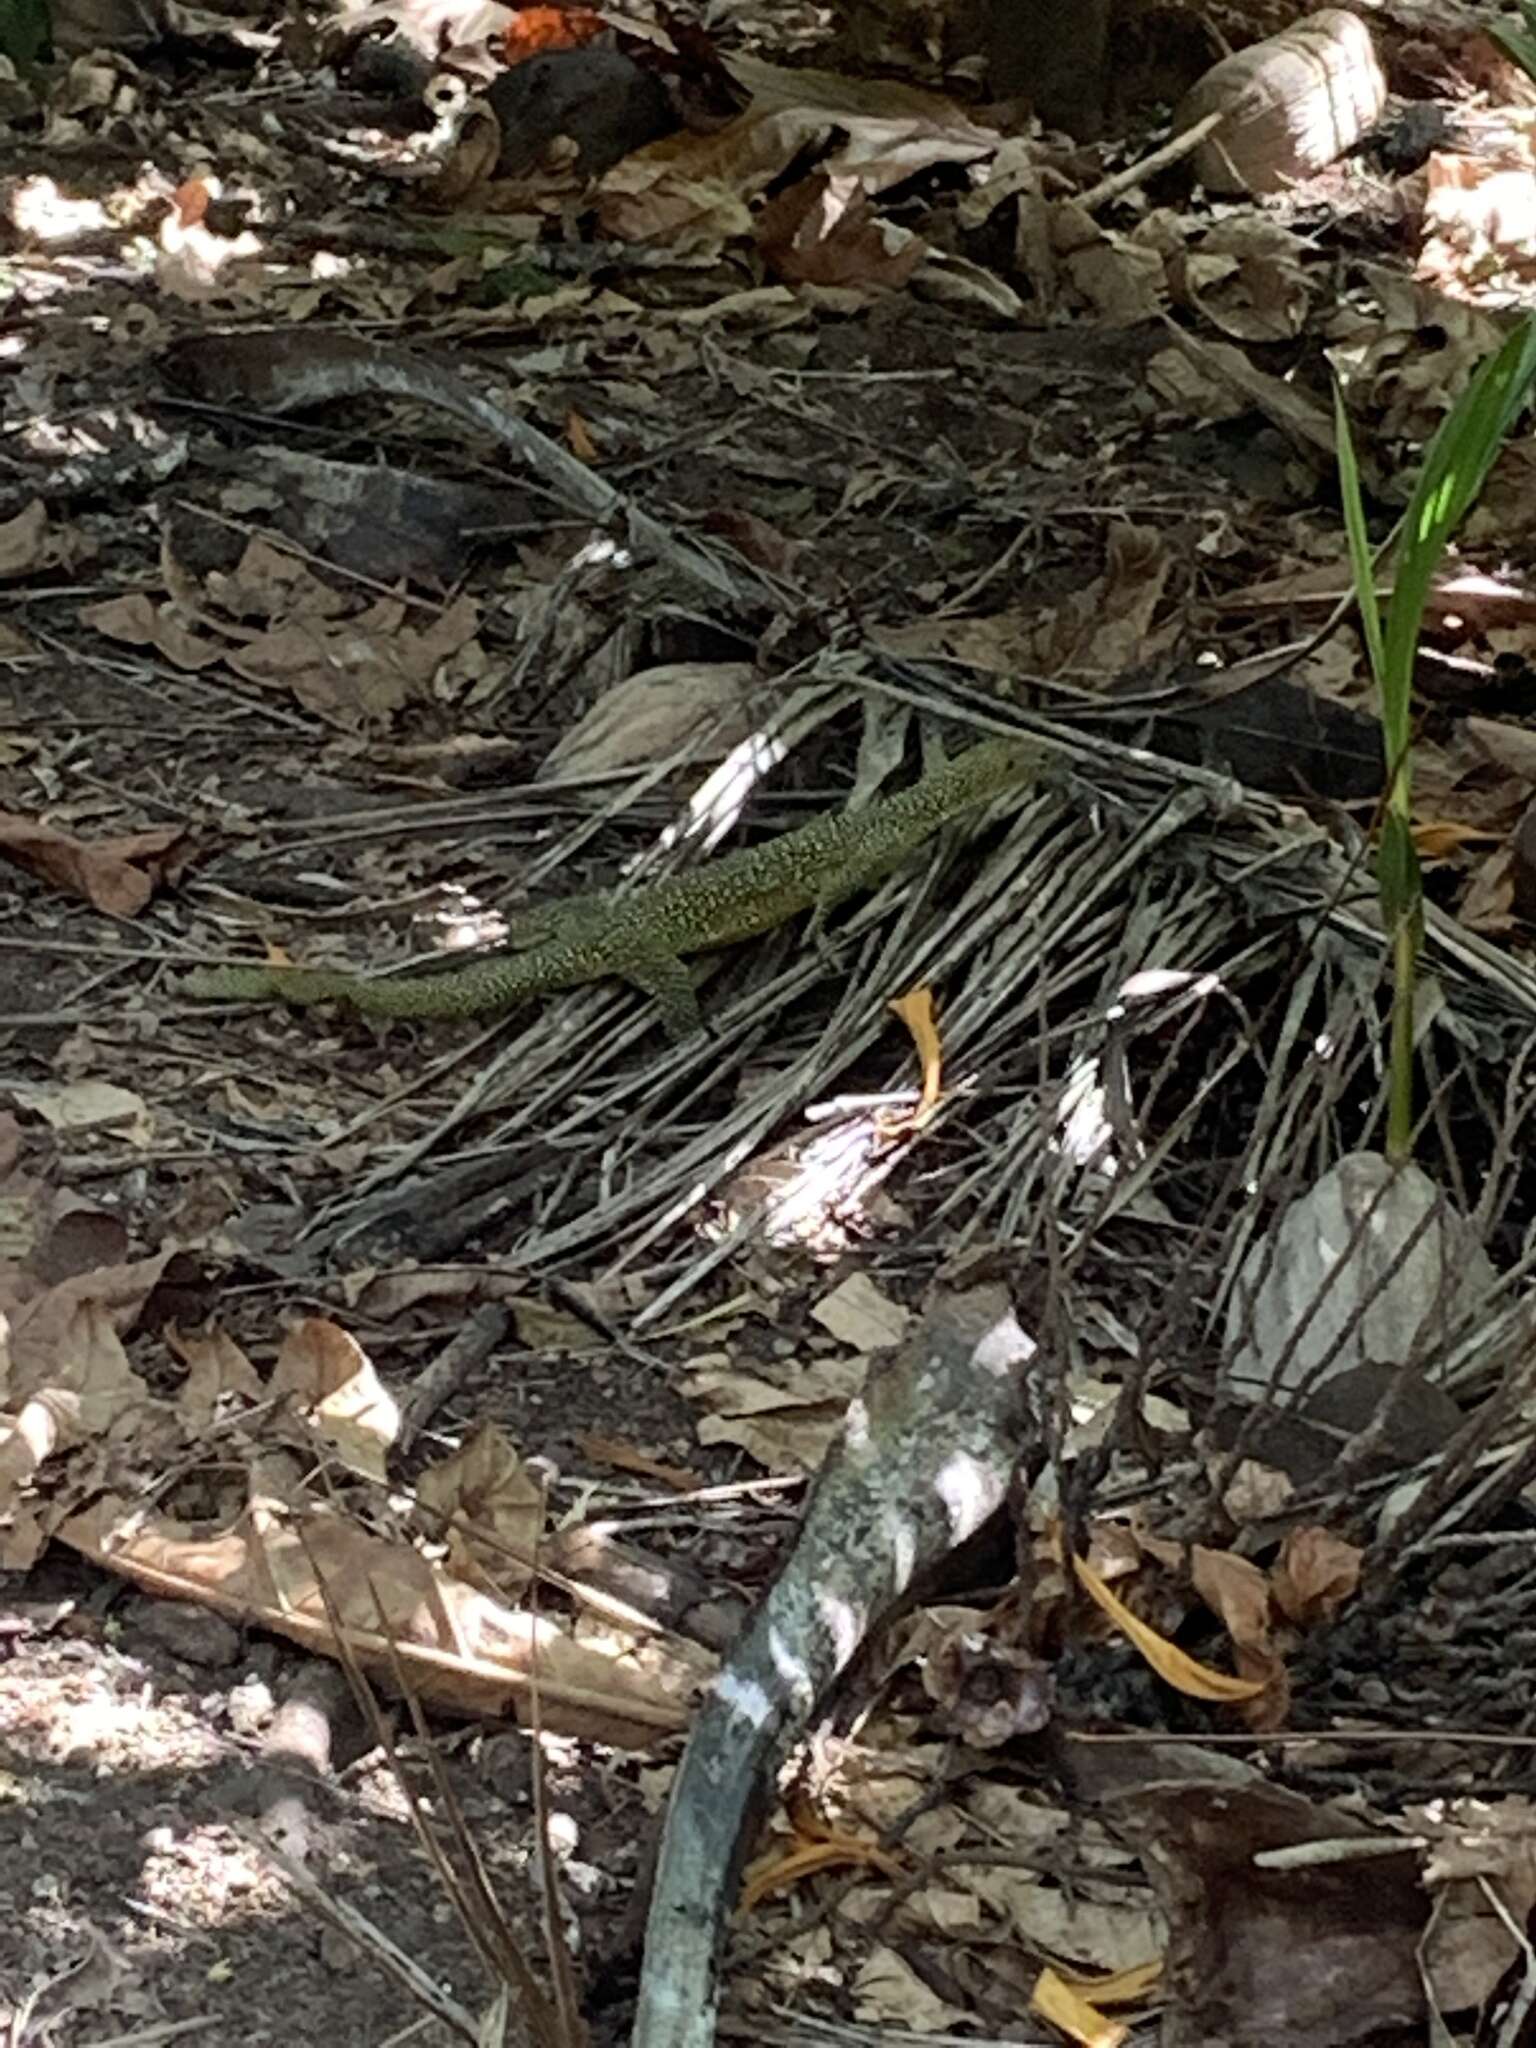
364	1935
287	381
1182	145
448	1371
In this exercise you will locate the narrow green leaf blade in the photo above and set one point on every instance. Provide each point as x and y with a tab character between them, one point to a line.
1362	567
1455	467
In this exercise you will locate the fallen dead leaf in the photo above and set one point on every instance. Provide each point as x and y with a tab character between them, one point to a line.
118	876
493	1509
1176	1666
336	1390
457	1648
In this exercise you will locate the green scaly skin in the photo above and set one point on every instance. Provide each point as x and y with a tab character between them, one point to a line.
643	935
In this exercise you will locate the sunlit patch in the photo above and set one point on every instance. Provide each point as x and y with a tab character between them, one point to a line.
40	209
460	921
722	796
1084	1133
602	552
788	1660
814	1190
818	1192
102	432
1087	1133
964	1485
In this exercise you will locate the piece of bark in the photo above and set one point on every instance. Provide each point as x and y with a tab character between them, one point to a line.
923	1462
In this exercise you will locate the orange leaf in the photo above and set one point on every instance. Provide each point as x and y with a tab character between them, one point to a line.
1185	1673
533	29
916	1012
1056	2001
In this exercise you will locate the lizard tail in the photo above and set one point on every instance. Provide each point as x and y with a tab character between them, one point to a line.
273	984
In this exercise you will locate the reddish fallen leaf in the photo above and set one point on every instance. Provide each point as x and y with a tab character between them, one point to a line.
1315	1573
607	1450
118	876
533	29
823	231
190	201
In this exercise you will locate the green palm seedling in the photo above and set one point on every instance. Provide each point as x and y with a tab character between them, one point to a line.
1518	44
1455	468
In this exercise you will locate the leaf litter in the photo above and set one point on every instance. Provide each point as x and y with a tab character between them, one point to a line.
503	503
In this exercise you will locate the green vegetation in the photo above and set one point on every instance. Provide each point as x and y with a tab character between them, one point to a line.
1455	468
1519	44
26	32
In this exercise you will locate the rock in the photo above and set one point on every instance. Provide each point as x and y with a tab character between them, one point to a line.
599	100
192	1634
1293	104
1313	1315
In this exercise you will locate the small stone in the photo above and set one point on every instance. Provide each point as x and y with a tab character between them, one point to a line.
191	1633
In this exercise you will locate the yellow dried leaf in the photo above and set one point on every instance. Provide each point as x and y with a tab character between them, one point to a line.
1185	1673
1056	2001
916	1011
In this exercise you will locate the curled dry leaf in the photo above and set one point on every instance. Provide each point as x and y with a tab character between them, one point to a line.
118	876
823	231
306	1576
1314	1575
990	1689
1066	2008
218	1372
1187	1674
492	1509
336	1389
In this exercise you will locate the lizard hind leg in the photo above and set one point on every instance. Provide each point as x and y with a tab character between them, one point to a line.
665	977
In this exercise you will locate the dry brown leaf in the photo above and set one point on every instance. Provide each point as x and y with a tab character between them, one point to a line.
823	231
458	1648
138	621
1172	1664
700	709
485	1485
887	1992
75	1386
88	1106
118	876
607	1450
785	1428
24	541
578	437
861	1315
361	670
916	1012
1238	1593
1056	2001
218	1374
338	1394
1315	1573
